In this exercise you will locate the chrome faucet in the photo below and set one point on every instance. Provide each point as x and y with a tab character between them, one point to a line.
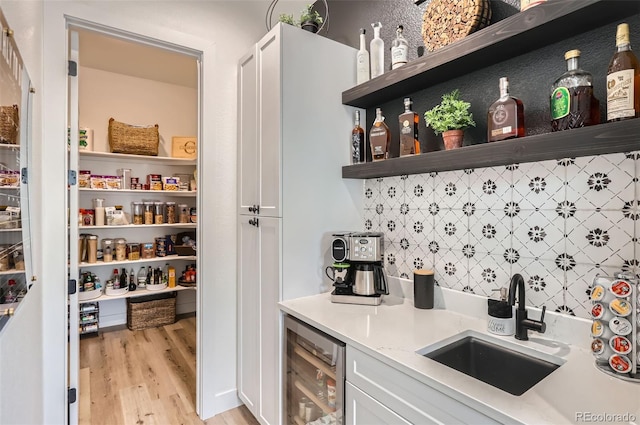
523	324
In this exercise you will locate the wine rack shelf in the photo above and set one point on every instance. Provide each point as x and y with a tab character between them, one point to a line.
595	140
520	33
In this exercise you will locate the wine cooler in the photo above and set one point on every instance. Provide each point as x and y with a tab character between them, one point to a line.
313	376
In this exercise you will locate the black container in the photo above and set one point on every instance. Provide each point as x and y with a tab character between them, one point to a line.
423	285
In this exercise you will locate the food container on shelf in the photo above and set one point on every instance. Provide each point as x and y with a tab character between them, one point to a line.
137	212
148	250
92	248
158	212
108	247
120	249
170	212
148	212
183	213
133	251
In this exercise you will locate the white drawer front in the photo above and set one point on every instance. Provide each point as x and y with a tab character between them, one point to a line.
363	410
411	399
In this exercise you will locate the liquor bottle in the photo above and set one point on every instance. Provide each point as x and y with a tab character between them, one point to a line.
10	296
357	142
165	275
379	138
362	60
377	51
623	80
505	119
132	280
573	103
116	279
399	49
142	277
124	280
409	144
149	276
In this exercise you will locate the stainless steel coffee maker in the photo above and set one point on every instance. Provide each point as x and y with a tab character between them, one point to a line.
360	257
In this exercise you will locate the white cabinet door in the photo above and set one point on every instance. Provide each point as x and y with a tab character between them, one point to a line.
248	313
270	326
360	409
248	133
269	116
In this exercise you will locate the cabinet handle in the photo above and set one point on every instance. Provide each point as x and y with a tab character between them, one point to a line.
255	209
254	222
251	209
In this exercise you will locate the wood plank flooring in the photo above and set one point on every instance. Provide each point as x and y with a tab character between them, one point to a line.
145	377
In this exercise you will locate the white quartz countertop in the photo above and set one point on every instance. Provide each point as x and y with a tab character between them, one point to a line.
574	393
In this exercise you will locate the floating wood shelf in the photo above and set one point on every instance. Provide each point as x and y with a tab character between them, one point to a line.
623	136
523	32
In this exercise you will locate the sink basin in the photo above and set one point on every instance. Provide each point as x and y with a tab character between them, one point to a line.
510	367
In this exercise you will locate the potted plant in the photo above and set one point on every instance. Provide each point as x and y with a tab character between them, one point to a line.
310	19
287	19
451	117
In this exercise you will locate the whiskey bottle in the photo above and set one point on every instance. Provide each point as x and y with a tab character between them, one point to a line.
357	142
399	49
409	144
362	60
377	51
505	119
623	80
379	138
573	103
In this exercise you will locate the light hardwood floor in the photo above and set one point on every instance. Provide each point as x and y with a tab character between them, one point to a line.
144	377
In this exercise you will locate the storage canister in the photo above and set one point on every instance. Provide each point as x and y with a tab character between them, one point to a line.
92	248
133	251
107	250
170	208
148	212
120	249
137	212
183	213
148	250
158	212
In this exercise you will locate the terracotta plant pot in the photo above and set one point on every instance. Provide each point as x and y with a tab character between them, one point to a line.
452	139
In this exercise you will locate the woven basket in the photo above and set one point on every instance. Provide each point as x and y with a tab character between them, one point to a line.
9	124
447	21
151	311
133	139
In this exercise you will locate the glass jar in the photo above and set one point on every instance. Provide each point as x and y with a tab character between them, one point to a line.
158	212
170	210
137	212
92	248
107	250
120	249
133	251
183	213
148	212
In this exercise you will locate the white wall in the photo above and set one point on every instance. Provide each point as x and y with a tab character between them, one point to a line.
233	26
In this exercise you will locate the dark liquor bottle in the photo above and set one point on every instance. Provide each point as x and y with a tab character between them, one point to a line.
409	144
379	138
357	142
573	103
505	119
623	80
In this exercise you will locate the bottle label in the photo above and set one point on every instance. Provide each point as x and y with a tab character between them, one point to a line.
399	56
560	103
620	95
356	148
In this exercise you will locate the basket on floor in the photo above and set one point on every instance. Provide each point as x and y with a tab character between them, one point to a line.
133	139
9	124
151	311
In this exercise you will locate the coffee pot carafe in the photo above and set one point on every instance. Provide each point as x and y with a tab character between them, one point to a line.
369	279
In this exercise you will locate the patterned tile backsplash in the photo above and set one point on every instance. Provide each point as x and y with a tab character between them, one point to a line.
558	223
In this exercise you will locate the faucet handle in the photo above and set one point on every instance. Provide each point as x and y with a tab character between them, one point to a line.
543	326
544	309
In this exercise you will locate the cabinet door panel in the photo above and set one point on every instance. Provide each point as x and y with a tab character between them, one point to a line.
270	102
360	409
248	313
270	326
248	132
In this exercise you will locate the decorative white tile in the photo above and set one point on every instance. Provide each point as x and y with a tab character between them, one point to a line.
451	229
600	237
451	189
393	258
420	258
452	269
371	193
539	234
601	182
392	192
419	227
578	287
539	185
488	272
544	282
392	225
419	192
371	220
490	231
490	188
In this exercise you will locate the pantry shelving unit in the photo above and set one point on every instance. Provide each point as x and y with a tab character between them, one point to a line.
164	259
522	32
138	293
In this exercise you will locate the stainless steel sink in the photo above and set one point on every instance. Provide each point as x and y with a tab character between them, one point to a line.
510	367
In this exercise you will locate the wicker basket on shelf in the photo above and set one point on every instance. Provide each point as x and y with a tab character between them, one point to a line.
447	21
9	124
151	311
133	139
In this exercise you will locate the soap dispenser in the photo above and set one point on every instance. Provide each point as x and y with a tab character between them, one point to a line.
501	320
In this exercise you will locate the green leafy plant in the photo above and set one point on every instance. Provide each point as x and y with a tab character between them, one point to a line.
287	19
451	114
310	15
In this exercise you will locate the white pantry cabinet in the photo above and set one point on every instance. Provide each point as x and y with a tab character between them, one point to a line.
293	139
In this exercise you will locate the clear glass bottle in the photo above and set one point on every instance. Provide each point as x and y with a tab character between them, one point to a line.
623	80
357	142
377	51
362	60
409	143
505	119
573	103
379	138
399	49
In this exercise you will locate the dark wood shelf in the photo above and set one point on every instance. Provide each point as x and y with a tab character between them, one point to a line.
534	28
623	136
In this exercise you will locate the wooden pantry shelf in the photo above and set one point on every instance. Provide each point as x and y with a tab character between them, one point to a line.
314	361
121	157
595	140
534	28
311	396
